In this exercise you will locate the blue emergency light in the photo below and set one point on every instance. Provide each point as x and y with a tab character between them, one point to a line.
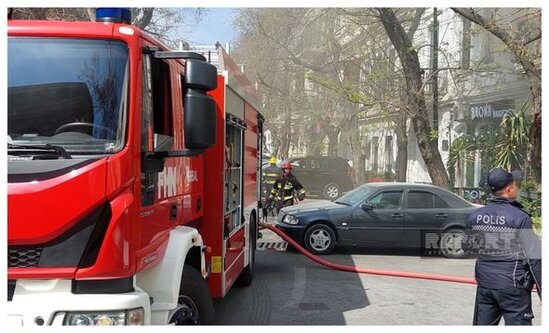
114	15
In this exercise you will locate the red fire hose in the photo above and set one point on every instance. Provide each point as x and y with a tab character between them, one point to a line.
411	275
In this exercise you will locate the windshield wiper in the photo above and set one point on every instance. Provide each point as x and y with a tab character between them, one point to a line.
58	149
342	203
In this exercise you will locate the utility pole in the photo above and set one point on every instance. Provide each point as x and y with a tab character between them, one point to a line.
434	67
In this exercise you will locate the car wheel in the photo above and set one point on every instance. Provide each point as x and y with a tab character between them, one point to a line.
452	243
320	239
331	191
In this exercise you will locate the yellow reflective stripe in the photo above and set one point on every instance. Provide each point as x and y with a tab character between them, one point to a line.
270	175
302	191
289	197
288	187
270	182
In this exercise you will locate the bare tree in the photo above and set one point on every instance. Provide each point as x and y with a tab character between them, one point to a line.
530	59
427	143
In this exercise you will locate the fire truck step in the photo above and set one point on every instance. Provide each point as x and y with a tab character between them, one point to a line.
275	246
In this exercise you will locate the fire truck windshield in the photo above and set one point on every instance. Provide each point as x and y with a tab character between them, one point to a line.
68	92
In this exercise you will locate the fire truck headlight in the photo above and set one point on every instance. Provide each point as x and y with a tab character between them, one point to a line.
110	318
290	219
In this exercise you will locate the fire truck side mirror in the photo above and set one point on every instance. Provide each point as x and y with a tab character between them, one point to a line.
200	75
200	109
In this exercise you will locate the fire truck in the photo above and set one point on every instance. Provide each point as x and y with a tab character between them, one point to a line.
133	175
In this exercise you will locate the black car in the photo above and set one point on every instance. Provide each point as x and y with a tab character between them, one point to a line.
388	215
329	176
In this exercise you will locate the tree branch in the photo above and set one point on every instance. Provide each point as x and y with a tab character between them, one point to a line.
517	47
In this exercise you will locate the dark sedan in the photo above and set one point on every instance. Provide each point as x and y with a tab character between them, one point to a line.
388	215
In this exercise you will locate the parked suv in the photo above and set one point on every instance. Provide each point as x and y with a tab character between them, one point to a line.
328	176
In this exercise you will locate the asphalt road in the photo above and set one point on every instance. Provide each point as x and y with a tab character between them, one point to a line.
289	289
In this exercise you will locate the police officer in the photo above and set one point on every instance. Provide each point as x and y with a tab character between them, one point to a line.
270	175
509	255
284	187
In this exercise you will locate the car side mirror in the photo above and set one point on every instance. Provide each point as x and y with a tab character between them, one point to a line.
367	207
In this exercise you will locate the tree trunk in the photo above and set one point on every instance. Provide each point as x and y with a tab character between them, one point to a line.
333	145
428	146
535	130
401	163
356	150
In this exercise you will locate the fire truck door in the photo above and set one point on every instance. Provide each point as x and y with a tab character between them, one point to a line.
158	176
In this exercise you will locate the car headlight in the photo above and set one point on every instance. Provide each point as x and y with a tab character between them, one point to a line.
107	318
289	219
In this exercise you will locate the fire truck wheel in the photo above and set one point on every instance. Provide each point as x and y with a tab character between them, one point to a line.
247	275
195	301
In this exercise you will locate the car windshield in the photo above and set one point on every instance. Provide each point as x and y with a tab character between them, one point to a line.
67	92
355	196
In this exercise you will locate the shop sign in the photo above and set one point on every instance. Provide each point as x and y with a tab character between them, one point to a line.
490	110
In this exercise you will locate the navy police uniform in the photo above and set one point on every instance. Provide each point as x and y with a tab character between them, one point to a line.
508	262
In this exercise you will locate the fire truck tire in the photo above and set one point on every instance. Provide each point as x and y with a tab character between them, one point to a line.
194	295
246	277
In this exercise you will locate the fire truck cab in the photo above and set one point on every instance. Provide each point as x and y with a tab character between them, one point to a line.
133	176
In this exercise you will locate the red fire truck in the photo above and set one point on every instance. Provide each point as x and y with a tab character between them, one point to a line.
133	176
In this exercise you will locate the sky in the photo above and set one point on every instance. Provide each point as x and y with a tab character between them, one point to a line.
215	26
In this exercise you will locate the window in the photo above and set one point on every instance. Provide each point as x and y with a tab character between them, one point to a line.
68	92
440	203
313	164
162	104
425	200
445	145
387	200
157	103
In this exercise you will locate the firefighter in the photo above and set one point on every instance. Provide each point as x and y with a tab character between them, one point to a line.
508	254
270	175
285	186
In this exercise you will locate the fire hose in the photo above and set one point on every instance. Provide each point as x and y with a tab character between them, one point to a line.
345	268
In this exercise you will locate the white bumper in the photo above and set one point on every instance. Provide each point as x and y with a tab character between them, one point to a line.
51	299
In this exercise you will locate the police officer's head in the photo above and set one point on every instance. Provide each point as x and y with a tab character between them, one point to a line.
504	184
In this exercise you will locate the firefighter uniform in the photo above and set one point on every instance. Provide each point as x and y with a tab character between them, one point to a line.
283	190
270	175
509	258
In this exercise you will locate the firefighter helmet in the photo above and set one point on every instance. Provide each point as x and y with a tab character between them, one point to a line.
287	165
272	160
